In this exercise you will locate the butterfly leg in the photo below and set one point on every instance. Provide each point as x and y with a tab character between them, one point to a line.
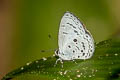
60	62
56	62
74	61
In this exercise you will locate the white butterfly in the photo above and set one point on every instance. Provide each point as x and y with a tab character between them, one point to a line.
74	40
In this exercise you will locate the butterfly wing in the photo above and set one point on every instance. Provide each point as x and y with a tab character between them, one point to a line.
74	41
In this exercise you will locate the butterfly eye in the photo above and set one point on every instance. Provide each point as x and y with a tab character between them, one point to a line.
56	52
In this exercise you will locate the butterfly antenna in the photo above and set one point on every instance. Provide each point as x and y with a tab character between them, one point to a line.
50	37
43	51
52	40
50	50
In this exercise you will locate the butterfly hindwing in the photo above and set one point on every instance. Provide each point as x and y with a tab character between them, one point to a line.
74	41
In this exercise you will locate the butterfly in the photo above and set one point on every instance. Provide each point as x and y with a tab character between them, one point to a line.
74	40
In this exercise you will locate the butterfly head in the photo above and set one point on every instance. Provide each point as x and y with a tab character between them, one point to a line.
56	53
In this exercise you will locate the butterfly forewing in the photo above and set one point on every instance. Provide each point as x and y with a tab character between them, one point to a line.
74	41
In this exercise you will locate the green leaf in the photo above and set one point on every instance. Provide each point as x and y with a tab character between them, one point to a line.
104	65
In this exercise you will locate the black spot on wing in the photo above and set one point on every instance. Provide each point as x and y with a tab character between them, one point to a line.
75	40
83	45
77	47
87	36
71	25
73	51
75	31
69	46
65	33
90	50
67	15
83	54
81	50
89	54
77	22
91	46
79	28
